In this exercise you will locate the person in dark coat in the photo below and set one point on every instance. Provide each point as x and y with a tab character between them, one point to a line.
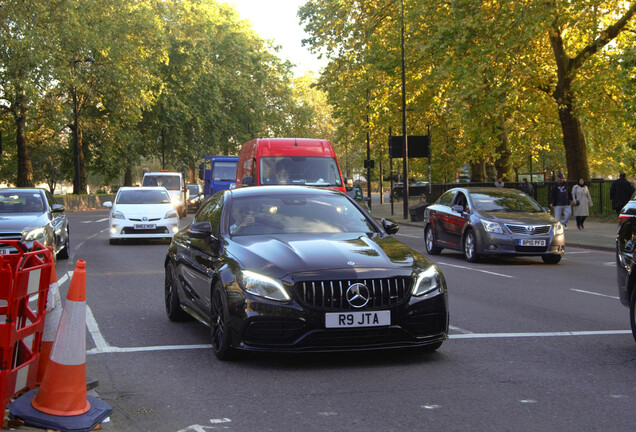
526	187
560	201
621	191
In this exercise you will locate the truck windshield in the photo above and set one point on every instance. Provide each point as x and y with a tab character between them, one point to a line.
224	171
299	170
170	182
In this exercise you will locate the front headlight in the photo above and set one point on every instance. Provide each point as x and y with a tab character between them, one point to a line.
171	214
263	286
117	215
31	234
428	283
492	227
558	228
176	201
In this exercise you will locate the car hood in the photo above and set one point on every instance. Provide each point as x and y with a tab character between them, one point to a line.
17	222
520	218
307	256
141	210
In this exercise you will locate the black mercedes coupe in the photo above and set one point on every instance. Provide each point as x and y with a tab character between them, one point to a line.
296	269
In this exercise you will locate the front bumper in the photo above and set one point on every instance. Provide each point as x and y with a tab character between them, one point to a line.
122	229
261	325
509	244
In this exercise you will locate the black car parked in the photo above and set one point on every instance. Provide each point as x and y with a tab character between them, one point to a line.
291	268
626	276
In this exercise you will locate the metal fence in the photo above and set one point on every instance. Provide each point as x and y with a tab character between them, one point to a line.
599	190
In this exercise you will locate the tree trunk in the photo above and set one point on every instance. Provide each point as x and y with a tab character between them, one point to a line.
574	143
502	164
25	169
128	176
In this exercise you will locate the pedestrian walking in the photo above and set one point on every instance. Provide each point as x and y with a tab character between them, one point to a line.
560	201
621	191
526	187
499	182
581	203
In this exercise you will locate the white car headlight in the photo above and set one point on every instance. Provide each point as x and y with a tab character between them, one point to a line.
176	201
492	227
428	283
558	228
117	215
263	286
171	214
31	234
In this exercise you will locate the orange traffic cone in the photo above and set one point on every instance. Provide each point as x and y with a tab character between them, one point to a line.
61	402
63	388
51	321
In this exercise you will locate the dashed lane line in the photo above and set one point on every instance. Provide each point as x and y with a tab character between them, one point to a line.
593	293
474	269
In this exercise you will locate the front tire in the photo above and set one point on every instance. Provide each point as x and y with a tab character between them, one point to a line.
551	259
429	240
220	320
173	303
470	247
64	252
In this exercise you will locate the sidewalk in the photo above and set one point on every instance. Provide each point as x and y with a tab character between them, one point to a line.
597	235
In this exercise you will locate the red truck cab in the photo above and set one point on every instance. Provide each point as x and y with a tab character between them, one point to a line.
289	161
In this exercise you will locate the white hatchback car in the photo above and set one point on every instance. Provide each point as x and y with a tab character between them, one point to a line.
142	212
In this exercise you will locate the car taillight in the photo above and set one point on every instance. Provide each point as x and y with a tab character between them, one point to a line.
623	218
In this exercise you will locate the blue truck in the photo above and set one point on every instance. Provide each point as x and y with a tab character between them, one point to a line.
218	173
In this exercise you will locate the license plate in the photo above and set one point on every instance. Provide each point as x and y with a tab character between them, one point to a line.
357	319
145	226
6	251
531	242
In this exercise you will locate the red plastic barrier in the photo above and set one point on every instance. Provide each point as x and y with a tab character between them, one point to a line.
24	279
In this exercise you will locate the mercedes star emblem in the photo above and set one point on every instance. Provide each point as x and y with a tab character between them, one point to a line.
358	295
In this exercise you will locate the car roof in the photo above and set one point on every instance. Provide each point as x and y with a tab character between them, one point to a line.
127	188
486	190
22	189
253	191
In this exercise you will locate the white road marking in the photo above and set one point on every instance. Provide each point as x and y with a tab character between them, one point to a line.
596	294
577	253
610	263
431	407
538	334
474	269
86	222
412	236
60	282
528	401
100	343
112	349
95	221
102	220
457	329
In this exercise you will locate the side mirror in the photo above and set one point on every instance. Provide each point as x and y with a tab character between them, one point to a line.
202	171
390	226
57	208
108	204
458	208
248	181
200	230
348	184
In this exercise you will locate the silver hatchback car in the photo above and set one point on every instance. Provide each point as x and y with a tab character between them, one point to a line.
483	222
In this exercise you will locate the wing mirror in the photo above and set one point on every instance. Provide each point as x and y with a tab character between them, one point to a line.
390	226
108	204
248	181
57	208
458	208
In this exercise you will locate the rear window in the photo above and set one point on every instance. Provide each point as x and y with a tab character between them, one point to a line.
170	182
141	196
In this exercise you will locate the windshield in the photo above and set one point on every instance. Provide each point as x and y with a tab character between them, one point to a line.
170	182
143	196
193	190
296	214
504	201
21	202
299	170
224	171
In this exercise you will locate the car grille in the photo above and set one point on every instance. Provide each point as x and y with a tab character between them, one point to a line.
332	295
10	236
140	220
523	229
158	230
531	248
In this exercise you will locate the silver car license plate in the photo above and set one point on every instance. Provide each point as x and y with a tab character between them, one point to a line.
145	226
357	319
531	242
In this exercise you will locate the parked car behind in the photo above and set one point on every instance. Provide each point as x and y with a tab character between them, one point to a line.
30	214
293	268
141	212
483	222
195	198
